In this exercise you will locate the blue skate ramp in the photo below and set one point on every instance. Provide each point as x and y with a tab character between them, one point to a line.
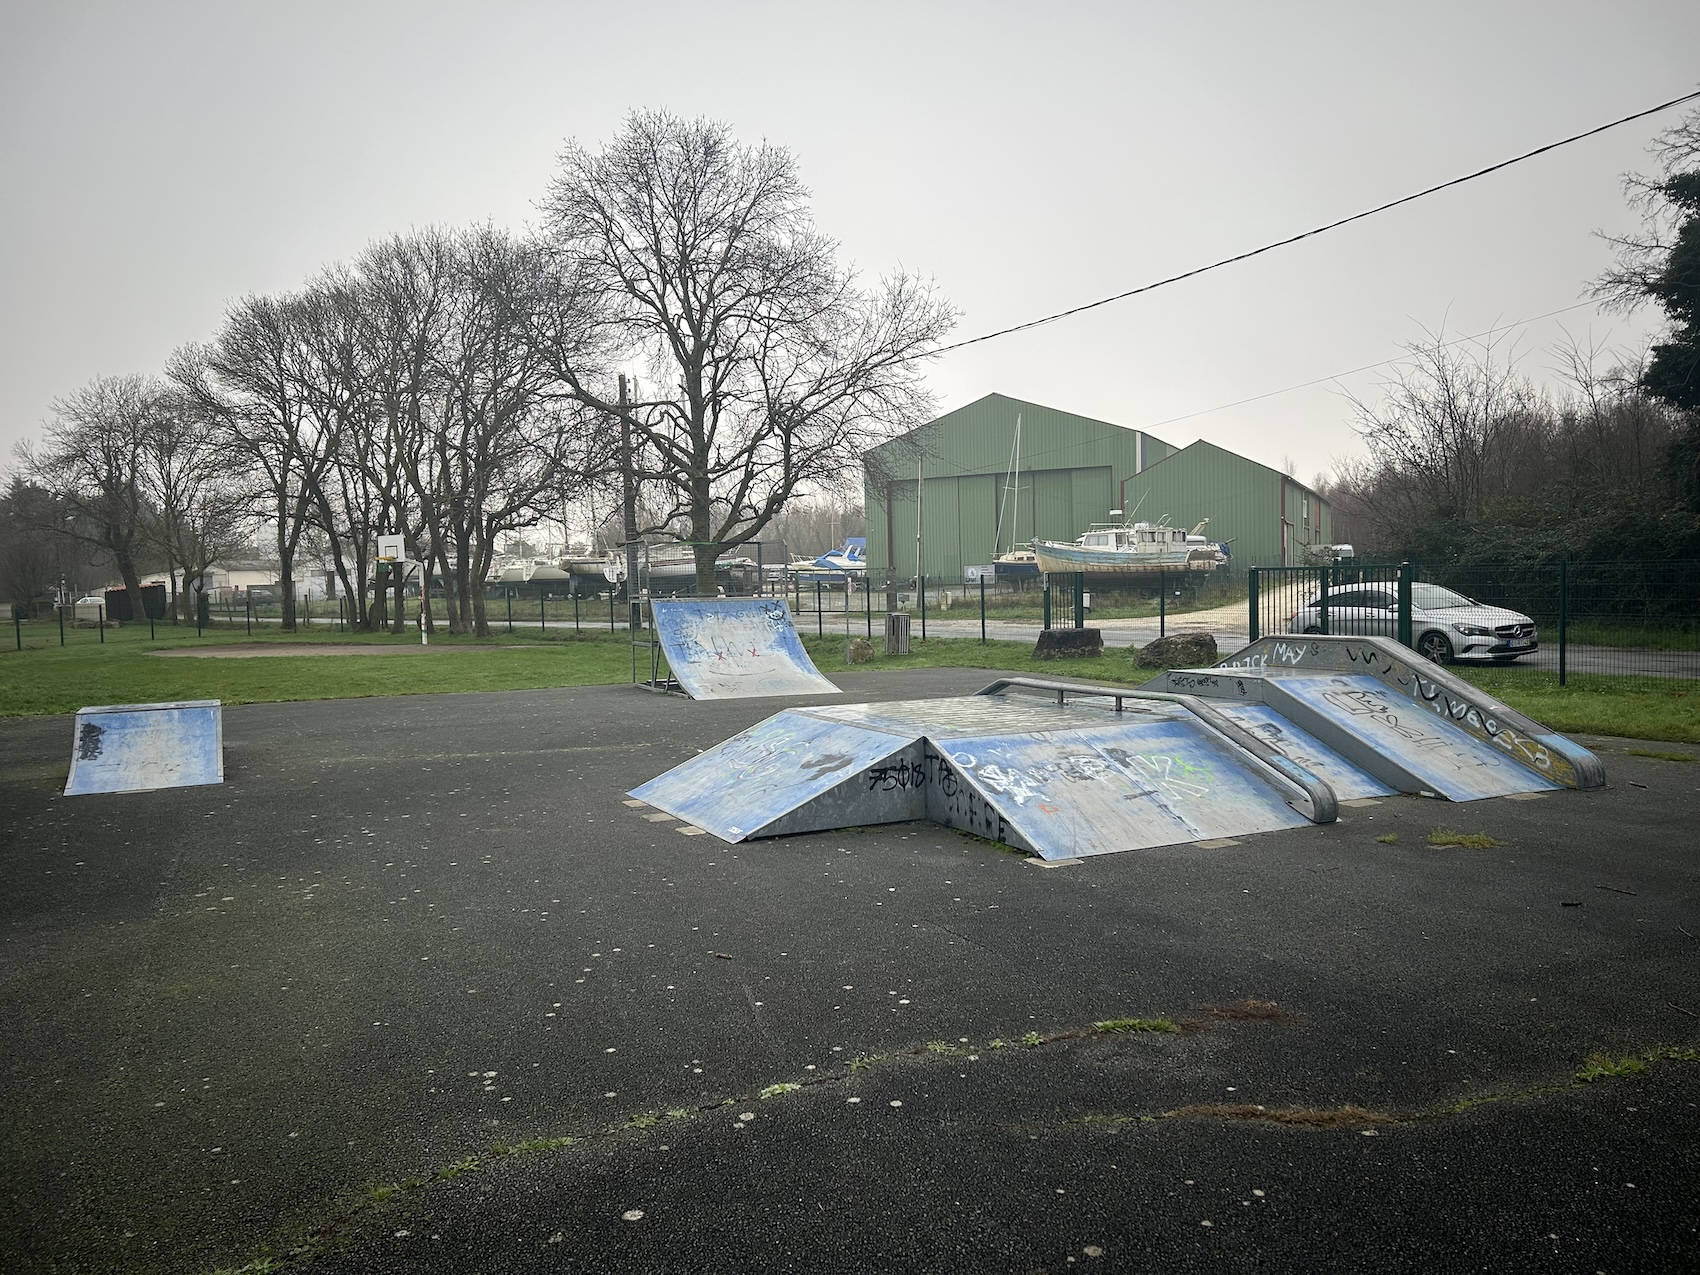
141	747
1062	780
794	773
1116	786
735	648
1398	741
1349	782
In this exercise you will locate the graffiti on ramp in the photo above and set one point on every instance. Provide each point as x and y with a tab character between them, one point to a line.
735	648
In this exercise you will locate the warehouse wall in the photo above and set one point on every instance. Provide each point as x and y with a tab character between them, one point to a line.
1071	468
1246	503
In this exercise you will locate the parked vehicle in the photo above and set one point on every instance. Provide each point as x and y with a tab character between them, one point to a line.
1445	626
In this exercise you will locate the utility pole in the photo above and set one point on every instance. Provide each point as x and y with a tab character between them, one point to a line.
628	497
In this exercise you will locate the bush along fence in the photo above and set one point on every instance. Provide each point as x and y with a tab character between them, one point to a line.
1626	619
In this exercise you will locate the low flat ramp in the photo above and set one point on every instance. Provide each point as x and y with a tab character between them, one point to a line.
1399	742
1349	782
142	747
735	648
1404	673
794	773
1116	786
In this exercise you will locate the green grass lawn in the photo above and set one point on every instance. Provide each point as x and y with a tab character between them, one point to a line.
47	678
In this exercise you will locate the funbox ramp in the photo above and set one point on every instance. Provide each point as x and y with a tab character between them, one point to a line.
1389	714
1063	780
735	648
140	747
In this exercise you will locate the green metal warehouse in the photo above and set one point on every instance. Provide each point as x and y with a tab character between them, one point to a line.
1073	472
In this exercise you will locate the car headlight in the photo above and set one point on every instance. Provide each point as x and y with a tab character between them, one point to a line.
1473	630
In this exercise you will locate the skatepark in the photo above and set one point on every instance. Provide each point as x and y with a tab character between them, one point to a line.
437	984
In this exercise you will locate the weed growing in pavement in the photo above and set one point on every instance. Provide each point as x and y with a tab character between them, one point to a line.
645	1120
1388	839
458	1167
1032	1038
773	1091
677	1113
940	1047
1600	1066
1137	1025
996	1043
378	1192
1463	840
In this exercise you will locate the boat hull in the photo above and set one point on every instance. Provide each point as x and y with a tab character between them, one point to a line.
1059	559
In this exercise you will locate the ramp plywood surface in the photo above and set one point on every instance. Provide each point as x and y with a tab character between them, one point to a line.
1397	739
142	747
743	787
735	648
1118	786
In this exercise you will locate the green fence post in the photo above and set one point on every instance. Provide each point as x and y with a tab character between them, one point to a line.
610	608
1251	587
921	589
575	611
1406	574
820	622
510	610
18	627
248	611
1563	615
868	603
1322	600
100	623
982	611
1046	603
1162	603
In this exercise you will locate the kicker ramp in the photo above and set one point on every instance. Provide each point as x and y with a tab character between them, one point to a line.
1377	707
1113	771
735	648
141	747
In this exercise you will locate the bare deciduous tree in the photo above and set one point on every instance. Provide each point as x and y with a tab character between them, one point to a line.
774	367
92	457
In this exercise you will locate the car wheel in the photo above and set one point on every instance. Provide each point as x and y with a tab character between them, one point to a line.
1311	628
1435	647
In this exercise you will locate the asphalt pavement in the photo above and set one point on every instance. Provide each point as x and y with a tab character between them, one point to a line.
416	990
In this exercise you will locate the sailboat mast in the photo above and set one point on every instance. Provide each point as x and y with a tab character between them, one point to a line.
1015	511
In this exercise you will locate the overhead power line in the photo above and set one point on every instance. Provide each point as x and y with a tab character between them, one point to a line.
1367	367
1308	234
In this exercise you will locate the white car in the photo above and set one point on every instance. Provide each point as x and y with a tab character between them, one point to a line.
1445	626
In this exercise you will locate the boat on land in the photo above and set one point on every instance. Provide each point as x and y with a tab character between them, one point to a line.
1132	551
670	570
847	562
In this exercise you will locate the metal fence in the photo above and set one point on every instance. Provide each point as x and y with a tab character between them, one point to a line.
1611	619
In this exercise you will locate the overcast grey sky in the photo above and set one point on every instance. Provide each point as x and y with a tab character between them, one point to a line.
161	159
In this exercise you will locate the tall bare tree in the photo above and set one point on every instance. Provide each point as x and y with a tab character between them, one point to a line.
776	367
201	510
502	440
249	379
91	458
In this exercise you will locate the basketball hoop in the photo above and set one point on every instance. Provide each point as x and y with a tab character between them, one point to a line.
391	550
